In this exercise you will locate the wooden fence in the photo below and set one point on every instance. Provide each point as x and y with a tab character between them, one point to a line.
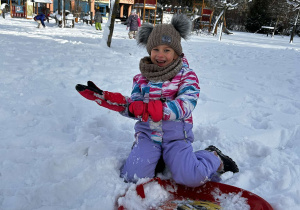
18	11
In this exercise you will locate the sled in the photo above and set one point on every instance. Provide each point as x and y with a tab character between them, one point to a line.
205	197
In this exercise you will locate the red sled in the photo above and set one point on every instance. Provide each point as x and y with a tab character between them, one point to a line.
203	197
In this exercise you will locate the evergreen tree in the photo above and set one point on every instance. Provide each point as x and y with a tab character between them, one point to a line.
280	14
258	15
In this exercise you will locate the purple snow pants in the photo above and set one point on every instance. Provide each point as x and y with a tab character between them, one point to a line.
187	167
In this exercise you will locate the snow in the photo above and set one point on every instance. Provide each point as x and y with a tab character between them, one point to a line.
231	200
61	151
155	194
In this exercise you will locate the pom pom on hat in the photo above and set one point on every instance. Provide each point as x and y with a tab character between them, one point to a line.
165	34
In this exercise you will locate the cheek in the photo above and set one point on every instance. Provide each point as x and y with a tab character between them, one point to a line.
152	57
175	56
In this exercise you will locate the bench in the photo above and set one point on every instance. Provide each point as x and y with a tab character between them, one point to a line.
267	30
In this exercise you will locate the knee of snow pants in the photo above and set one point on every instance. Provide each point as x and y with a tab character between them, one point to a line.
142	160
189	168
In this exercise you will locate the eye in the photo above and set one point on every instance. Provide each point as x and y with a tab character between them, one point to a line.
155	49
167	50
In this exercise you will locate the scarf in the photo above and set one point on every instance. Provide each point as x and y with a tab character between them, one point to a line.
156	73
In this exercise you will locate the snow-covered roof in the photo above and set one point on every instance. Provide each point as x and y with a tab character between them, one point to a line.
43	1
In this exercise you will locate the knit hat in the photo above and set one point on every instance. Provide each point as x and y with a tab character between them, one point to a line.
165	34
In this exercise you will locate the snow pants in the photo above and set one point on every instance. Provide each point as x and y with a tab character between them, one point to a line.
3	13
39	23
132	34
98	26
187	167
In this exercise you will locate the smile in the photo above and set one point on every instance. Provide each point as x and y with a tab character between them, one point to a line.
160	63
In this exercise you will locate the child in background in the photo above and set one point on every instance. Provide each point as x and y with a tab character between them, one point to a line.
163	97
98	20
3	9
40	20
133	24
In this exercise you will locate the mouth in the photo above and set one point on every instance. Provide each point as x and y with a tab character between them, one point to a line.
160	63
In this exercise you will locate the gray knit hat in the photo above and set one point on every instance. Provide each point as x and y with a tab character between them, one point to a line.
165	34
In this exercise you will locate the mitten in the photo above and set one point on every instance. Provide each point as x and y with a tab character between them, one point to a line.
155	110
139	109
109	100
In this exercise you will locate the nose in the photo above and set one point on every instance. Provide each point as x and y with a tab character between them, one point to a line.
159	54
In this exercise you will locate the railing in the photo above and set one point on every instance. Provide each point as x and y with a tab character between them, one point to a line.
18	11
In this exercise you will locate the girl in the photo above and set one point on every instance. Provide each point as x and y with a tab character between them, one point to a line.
163	97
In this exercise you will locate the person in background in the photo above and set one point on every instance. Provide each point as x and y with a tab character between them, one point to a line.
47	14
98	20
40	20
133	24
2	8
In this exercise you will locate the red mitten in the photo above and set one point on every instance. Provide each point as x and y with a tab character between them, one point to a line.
105	104
155	110
117	98
114	98
86	92
139	109
109	100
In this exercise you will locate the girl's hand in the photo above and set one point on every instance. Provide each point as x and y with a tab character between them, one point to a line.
113	101
143	110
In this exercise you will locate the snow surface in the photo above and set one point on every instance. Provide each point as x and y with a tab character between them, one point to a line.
61	151
231	200
152	200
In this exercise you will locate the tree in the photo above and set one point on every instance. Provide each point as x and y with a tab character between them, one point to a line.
279	14
258	15
225	5
112	21
296	5
250	15
236	19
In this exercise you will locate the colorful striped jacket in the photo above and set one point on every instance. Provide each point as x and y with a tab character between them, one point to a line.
180	95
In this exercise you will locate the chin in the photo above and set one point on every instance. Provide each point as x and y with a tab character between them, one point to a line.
161	65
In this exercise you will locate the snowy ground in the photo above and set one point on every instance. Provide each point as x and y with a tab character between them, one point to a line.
60	151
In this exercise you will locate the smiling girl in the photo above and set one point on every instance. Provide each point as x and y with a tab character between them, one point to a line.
163	97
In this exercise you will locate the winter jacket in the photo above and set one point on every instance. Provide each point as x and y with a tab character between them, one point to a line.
98	17
40	17
132	23
180	95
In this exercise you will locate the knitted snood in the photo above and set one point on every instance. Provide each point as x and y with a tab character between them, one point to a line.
155	73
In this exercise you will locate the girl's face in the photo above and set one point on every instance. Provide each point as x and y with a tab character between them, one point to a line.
163	55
